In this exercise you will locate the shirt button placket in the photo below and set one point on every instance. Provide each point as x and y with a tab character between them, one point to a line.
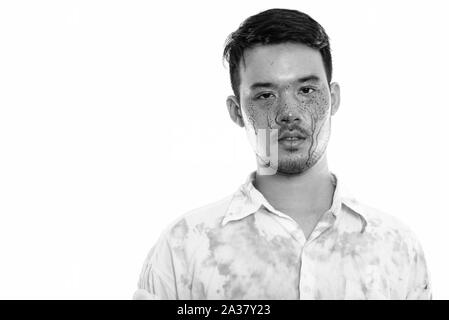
305	277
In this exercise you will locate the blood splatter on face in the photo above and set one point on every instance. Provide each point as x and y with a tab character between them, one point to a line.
283	89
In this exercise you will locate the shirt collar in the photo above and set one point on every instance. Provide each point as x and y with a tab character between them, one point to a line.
248	200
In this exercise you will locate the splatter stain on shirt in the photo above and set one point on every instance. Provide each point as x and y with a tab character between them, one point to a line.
242	248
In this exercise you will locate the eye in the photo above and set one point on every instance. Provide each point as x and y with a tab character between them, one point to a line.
265	96
307	90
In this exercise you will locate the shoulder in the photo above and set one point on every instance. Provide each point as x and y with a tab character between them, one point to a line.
209	215
382	225
195	222
392	243
185	233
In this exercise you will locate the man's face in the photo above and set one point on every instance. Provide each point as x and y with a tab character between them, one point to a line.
286	105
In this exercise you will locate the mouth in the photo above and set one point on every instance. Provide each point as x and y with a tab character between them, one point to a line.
291	141
292	138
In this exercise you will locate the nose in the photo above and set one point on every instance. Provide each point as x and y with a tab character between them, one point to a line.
286	117
290	111
289	114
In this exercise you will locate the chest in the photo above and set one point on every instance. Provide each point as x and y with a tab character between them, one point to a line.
250	264
307	220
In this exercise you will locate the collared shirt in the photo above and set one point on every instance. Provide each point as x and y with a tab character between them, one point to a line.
242	248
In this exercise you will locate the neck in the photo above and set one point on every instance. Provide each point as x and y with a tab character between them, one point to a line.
304	194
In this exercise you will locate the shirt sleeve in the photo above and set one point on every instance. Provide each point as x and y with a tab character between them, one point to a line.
156	281
419	287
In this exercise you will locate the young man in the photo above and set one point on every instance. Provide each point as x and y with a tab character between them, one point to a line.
290	231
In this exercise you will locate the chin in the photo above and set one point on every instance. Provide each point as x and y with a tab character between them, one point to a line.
292	165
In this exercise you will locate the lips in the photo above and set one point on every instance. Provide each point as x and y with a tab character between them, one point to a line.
292	136
292	139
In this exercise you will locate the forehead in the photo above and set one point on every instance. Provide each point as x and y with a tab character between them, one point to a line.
280	63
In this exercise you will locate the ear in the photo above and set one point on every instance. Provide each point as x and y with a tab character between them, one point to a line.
234	110
335	97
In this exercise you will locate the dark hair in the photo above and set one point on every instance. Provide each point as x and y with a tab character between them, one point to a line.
275	26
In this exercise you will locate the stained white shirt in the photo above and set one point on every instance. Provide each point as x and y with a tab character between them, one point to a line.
242	248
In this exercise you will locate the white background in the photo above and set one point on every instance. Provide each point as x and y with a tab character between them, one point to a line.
113	123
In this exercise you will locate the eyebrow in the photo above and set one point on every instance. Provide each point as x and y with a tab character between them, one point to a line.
257	85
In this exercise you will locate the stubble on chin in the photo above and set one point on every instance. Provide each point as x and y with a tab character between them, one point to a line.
292	165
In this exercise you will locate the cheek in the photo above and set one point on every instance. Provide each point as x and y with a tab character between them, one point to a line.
259	116
318	106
